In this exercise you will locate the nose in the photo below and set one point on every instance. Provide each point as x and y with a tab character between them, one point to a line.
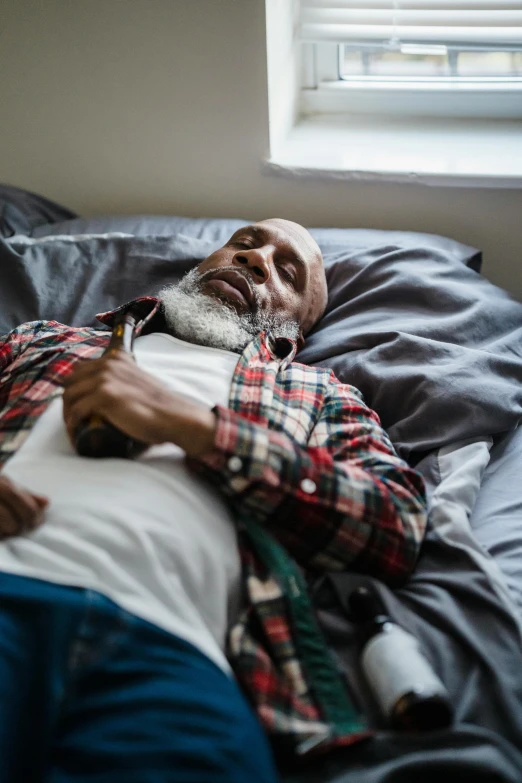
258	260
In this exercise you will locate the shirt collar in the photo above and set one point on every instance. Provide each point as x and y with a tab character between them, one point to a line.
282	349
146	310
149	318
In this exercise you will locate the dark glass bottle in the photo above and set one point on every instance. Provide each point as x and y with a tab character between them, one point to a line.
409	693
96	437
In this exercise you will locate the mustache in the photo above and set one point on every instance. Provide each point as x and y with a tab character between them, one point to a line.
249	277
196	317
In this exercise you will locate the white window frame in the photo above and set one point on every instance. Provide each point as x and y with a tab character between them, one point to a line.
325	92
320	128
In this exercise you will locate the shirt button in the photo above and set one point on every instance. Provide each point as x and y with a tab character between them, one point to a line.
308	486
235	464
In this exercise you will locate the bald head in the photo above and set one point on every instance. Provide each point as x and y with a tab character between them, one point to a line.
297	232
317	280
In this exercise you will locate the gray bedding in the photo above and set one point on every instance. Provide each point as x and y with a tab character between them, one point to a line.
437	350
458	605
496	519
219	230
22	211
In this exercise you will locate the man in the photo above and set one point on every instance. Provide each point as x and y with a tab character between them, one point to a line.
136	594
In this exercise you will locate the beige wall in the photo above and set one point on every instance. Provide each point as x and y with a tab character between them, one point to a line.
160	106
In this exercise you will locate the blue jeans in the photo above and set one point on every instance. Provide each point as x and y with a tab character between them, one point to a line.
88	692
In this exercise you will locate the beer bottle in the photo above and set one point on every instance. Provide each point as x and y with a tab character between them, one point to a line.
96	437
408	692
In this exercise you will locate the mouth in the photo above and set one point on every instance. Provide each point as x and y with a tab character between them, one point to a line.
232	285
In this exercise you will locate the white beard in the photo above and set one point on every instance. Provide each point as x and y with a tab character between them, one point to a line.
207	320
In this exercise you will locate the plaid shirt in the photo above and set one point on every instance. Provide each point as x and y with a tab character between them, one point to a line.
314	485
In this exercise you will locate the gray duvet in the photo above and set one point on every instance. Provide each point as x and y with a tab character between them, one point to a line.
437	351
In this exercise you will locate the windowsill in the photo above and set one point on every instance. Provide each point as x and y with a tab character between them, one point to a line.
450	152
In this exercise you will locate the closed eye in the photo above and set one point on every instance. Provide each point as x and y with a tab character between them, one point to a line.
242	243
287	274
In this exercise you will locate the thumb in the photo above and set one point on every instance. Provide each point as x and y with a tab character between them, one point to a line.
41	500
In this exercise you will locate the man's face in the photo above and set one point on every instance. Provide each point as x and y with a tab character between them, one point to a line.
273	267
268	276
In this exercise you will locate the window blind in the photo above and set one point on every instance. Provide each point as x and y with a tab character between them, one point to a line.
457	24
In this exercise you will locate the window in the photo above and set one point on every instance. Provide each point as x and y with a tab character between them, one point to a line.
412	61
426	57
413	91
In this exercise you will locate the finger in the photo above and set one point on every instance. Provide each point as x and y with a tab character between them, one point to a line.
79	414
88	367
25	505
81	388
85	368
81	368
9	525
104	387
21	508
104	376
10	487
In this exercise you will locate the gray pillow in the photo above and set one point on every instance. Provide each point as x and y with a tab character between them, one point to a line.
435	348
21	211
220	229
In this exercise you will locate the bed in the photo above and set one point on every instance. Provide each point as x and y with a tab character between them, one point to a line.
437	350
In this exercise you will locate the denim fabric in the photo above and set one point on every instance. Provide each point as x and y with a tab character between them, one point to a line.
88	692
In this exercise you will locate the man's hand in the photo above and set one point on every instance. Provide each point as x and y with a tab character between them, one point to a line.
20	510
135	402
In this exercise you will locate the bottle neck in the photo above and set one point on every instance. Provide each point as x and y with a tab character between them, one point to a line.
381	623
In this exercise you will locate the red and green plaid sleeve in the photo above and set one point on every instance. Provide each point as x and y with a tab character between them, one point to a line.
345	500
11	346
6	352
16	341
